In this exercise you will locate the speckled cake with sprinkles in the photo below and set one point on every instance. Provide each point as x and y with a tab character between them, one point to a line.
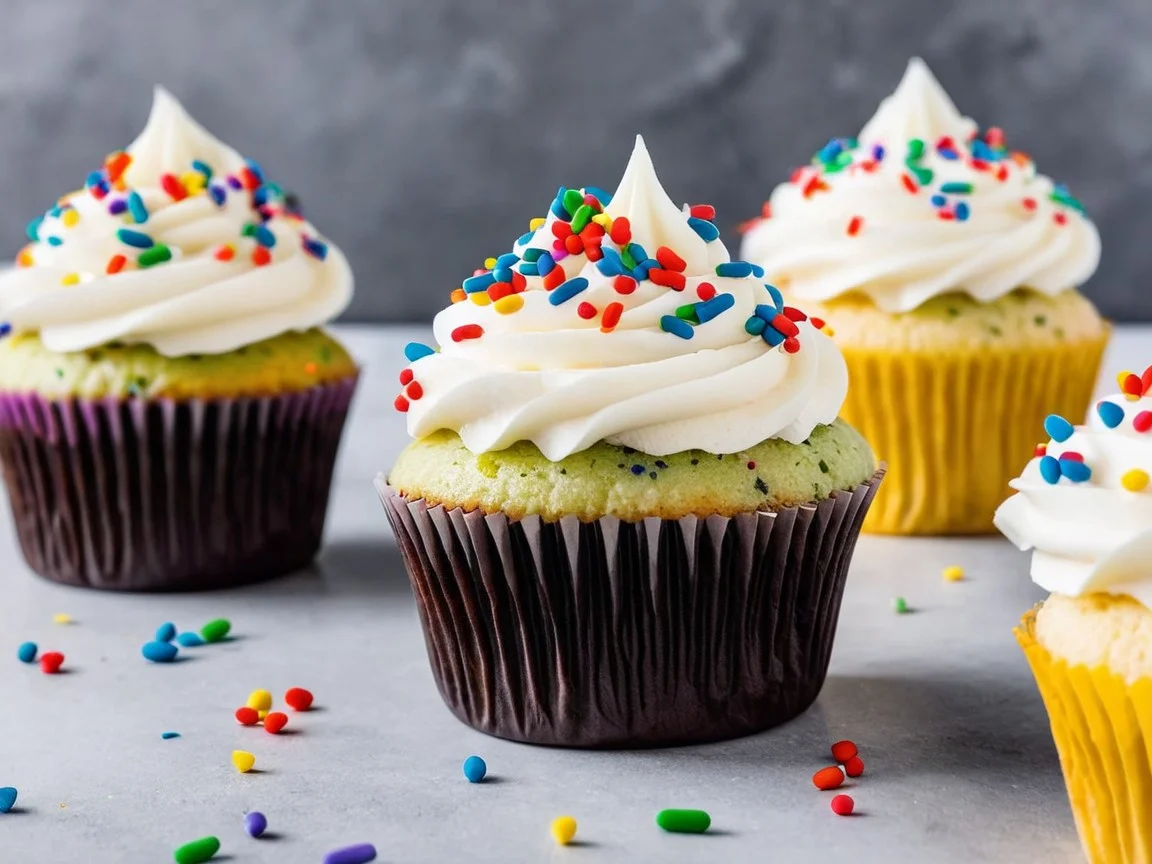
616	370
949	264
175	293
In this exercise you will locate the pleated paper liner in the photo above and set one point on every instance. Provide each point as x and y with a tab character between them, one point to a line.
160	495
1102	726
954	428
628	634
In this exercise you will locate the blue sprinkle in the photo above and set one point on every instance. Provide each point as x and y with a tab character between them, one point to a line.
168	736
1058	429
137	209
7	798
217	194
955	188
166	632
605	198
774	293
234	182
502	274
640	271
528	269
264	236
1110	413
878	153
755	325
772	336
525	238
557	207
704	229
190	639
476	284
5	329
950	155
734	269
757	271
961	212
611	264
1075	471
315	248
475	769
56	211
980	150
831	150
103	187
766	312
260	196
938	200
159	652
637	470
507	259
118	206
532	255
676	326
545	263
567	290
638	254
33	229
55	241
1050	469
95	178
27	652
203	168
136	239
709	309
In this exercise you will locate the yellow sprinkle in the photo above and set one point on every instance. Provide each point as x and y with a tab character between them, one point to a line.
62	618
508	305
1135	480
563	829
261	700
70	279
481	298
489	263
243	760
1120	379
537	223
193	181
70	218
261	714
603	220
309	368
953	574
24	258
828	331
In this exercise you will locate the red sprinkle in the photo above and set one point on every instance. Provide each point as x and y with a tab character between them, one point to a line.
854	767
669	260
247	716
519	281
50	662
573	244
1040	450
624	284
812	186
1002	173
401	404
586	311
172	185
115	264
784	325
225	253
467	331
298	699
1029	203
415	390
560	230
828	778
705	290
611	317
909	183
702	211
1142	422
406	376
554	279
791	344
621	232
1072	456
274	721
818	323
249	178
946	215
668	278
1146	379
842	751
1133	385
854	225
794	314
98	192
500	290
979	164
843	805
261	256
751	465
1059	218
593	251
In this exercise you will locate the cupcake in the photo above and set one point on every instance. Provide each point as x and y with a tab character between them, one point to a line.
947	266
1084	505
630	507
169	411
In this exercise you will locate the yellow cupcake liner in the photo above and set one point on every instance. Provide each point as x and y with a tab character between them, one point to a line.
956	426
1102	726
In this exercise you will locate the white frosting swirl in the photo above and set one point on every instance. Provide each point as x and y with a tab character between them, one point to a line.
547	374
1094	535
193	303
1014	228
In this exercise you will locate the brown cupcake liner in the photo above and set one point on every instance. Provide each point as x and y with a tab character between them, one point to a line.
163	495
628	634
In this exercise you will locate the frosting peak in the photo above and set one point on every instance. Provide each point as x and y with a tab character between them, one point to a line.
918	108
1084	503
171	140
621	318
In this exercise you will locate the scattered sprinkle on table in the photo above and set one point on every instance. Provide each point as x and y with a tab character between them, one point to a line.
828	778
189	639
167	736
843	805
50	662
684	821
953	573
854	767
215	630
563	829
198	851
361	853
474	769
255	823
243	760
261	700
899	605
27	652
842	751
159	652
298	699
7	798
166	632
62	618
274	721
247	716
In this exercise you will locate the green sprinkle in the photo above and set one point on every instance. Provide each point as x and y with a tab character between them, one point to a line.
915	148
59	373
956	188
684	821
158	254
581	218
1067	201
215	630
899	605
688	313
627	258
1040	320
823	467
198	851
923	175
994	330
573	201
953	312
248	230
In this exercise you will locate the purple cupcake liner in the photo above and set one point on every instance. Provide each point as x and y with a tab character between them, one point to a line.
164	495
628	634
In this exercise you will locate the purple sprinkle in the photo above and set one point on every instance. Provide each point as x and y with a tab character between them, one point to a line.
234	182
637	470
359	854
255	823
118	206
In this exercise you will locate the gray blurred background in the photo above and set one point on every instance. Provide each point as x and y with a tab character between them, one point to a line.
423	134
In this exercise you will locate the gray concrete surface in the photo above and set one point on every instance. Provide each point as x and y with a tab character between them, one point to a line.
423	134
960	765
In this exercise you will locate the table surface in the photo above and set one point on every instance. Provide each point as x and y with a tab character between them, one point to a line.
960	764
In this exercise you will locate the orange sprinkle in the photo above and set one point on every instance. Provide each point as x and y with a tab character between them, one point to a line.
555	277
458	295
310	368
611	316
24	258
854	225
261	256
116	164
115	264
226	252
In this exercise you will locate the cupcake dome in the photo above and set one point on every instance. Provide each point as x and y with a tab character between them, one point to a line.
163	380
946	264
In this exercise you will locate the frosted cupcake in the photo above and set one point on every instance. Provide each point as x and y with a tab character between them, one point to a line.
1084	505
947	265
630	508
169	410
